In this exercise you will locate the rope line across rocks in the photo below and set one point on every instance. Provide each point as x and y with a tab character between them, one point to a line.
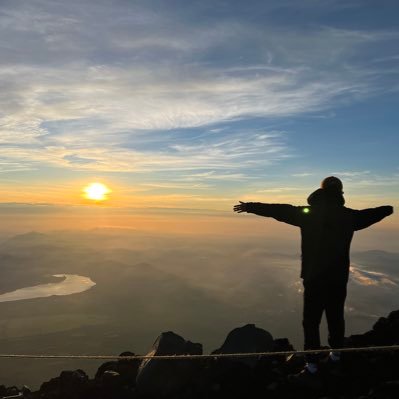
198	357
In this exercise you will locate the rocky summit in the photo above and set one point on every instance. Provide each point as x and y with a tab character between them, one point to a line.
372	374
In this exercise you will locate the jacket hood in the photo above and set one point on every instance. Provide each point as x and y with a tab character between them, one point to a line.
327	197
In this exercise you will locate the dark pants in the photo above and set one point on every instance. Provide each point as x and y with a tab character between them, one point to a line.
320	297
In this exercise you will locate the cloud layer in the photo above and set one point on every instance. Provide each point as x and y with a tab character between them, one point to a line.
85	85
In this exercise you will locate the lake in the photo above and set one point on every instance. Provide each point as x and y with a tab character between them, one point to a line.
72	284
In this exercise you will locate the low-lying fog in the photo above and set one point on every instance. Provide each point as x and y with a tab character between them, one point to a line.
199	287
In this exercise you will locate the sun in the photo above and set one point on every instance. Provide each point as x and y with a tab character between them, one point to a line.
96	192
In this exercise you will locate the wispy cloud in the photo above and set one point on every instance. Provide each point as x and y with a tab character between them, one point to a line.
179	186
353	174
114	154
304	174
14	167
370	278
279	190
134	98
213	175
368	179
121	87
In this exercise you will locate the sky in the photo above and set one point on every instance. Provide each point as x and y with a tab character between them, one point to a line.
194	105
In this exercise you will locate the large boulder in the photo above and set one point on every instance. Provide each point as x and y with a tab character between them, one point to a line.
3	391
235	377
247	339
126	368
386	329
72	384
165	377
11	392
385	332
282	345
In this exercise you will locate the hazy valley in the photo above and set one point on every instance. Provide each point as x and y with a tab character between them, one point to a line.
200	287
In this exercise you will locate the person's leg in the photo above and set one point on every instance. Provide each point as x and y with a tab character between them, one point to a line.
313	306
335	305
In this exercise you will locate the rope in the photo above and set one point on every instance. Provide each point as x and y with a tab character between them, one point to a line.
198	357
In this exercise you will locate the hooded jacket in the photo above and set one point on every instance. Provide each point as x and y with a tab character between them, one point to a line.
327	228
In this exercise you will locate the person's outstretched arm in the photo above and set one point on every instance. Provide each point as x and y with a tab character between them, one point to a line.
282	212
367	217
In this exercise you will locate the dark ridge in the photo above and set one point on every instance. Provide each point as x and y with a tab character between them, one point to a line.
361	375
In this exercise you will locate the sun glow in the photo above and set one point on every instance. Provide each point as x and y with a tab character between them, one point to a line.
96	192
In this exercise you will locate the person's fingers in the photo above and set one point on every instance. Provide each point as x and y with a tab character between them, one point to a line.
240	208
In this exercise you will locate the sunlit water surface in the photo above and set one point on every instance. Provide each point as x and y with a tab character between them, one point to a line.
72	284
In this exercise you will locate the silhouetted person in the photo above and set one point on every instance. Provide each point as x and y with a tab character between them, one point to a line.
327	228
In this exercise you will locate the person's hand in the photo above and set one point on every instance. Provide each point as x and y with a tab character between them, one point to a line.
241	207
